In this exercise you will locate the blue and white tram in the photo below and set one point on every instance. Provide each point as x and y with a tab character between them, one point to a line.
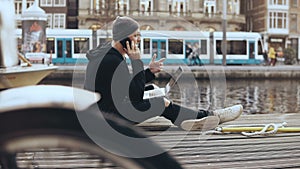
171	44
242	47
71	45
65	45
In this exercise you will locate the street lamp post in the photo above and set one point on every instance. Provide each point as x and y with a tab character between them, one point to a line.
224	24
94	29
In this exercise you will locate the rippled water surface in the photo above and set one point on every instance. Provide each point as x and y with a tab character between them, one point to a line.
257	96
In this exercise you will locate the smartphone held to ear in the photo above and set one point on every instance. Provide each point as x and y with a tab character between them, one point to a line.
123	42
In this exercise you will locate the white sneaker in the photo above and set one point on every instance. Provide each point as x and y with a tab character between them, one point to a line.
229	113
206	123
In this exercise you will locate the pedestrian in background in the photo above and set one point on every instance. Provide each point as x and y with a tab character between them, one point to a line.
266	59
196	55
272	55
188	53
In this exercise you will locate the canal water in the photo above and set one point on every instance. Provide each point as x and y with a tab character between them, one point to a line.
257	96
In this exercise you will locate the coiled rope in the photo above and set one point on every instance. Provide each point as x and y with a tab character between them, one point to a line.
249	130
269	129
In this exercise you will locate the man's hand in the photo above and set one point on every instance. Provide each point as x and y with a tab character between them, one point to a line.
132	51
156	66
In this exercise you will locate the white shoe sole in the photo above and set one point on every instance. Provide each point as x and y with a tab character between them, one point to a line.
236	112
204	124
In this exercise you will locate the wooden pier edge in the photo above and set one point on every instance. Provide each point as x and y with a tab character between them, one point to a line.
195	150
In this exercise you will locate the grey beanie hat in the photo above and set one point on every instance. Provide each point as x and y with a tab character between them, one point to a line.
123	27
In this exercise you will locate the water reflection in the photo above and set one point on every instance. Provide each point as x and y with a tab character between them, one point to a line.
257	96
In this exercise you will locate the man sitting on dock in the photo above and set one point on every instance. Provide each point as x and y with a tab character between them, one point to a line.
122	92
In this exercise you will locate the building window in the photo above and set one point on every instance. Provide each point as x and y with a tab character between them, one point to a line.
49	21
178	7
99	6
46	2
278	2
293	24
59	21
210	7
233	7
19	5
146	7
250	4
278	20
294	3
122	6
250	24
59	3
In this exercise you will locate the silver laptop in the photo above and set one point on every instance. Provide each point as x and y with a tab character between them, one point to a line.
160	92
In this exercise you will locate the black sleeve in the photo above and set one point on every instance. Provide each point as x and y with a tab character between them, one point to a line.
137	84
149	75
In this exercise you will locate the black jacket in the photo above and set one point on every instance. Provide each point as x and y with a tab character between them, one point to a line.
121	90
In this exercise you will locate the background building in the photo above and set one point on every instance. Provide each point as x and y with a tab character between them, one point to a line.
276	20
62	14
204	15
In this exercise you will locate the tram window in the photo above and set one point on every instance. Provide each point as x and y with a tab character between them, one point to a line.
50	45
203	47
251	50
234	47
104	40
219	47
69	49
192	45
175	46
260	48
81	45
146	47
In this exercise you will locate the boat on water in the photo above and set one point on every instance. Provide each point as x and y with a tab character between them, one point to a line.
17	76
15	69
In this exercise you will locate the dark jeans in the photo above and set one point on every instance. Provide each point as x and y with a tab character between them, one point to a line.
177	114
266	59
273	62
174	112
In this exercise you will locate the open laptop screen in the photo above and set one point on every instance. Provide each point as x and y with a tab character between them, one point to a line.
160	92
174	78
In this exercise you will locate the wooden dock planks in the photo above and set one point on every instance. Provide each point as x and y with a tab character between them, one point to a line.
194	150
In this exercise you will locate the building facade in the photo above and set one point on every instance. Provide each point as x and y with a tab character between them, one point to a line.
277	21
203	15
62	14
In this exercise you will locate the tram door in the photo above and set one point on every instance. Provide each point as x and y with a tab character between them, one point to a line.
64	50
159	47
251	50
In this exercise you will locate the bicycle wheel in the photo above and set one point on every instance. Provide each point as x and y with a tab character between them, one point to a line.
54	138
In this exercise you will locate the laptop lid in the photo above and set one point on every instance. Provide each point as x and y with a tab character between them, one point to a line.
174	78
159	92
